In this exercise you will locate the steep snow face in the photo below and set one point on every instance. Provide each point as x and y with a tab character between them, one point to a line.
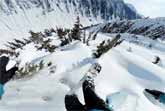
103	8
153	28
17	17
124	76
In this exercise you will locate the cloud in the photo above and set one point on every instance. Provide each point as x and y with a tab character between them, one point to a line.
151	8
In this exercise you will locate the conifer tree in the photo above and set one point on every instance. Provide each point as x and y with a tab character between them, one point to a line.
105	46
20	42
63	35
76	31
36	37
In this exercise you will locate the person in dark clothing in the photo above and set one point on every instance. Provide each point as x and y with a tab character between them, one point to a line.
92	101
73	104
5	76
157	60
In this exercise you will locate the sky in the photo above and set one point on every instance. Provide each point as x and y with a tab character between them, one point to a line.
149	8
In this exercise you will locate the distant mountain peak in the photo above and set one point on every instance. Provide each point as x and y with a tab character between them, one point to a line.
17	17
106	9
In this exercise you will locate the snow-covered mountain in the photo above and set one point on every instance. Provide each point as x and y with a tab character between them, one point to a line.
153	28
17	17
105	9
126	71
48	69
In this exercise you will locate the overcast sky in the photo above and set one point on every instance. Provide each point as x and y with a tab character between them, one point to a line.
151	8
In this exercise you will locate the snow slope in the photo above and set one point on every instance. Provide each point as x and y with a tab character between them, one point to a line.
153	28
18	17
124	76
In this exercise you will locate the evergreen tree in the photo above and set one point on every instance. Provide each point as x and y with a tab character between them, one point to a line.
61	33
8	52
84	37
20	42
48	32
16	45
64	36
47	46
36	37
88	39
30	69
105	46
76	31
26	41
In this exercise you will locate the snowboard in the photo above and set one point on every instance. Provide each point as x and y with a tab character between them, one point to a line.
116	100
121	101
93	71
154	97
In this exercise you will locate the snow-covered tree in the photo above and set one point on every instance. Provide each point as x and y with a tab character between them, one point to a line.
64	35
76	31
105	46
46	44
36	37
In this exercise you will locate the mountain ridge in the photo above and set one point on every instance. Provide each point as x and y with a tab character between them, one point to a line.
18	17
103	8
153	28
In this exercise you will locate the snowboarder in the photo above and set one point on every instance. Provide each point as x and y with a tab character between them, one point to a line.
5	76
157	60
92	101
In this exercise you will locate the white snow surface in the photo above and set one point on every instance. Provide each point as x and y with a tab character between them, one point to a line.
18	25
124	76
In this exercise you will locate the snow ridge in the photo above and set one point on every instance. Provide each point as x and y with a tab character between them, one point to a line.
153	28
